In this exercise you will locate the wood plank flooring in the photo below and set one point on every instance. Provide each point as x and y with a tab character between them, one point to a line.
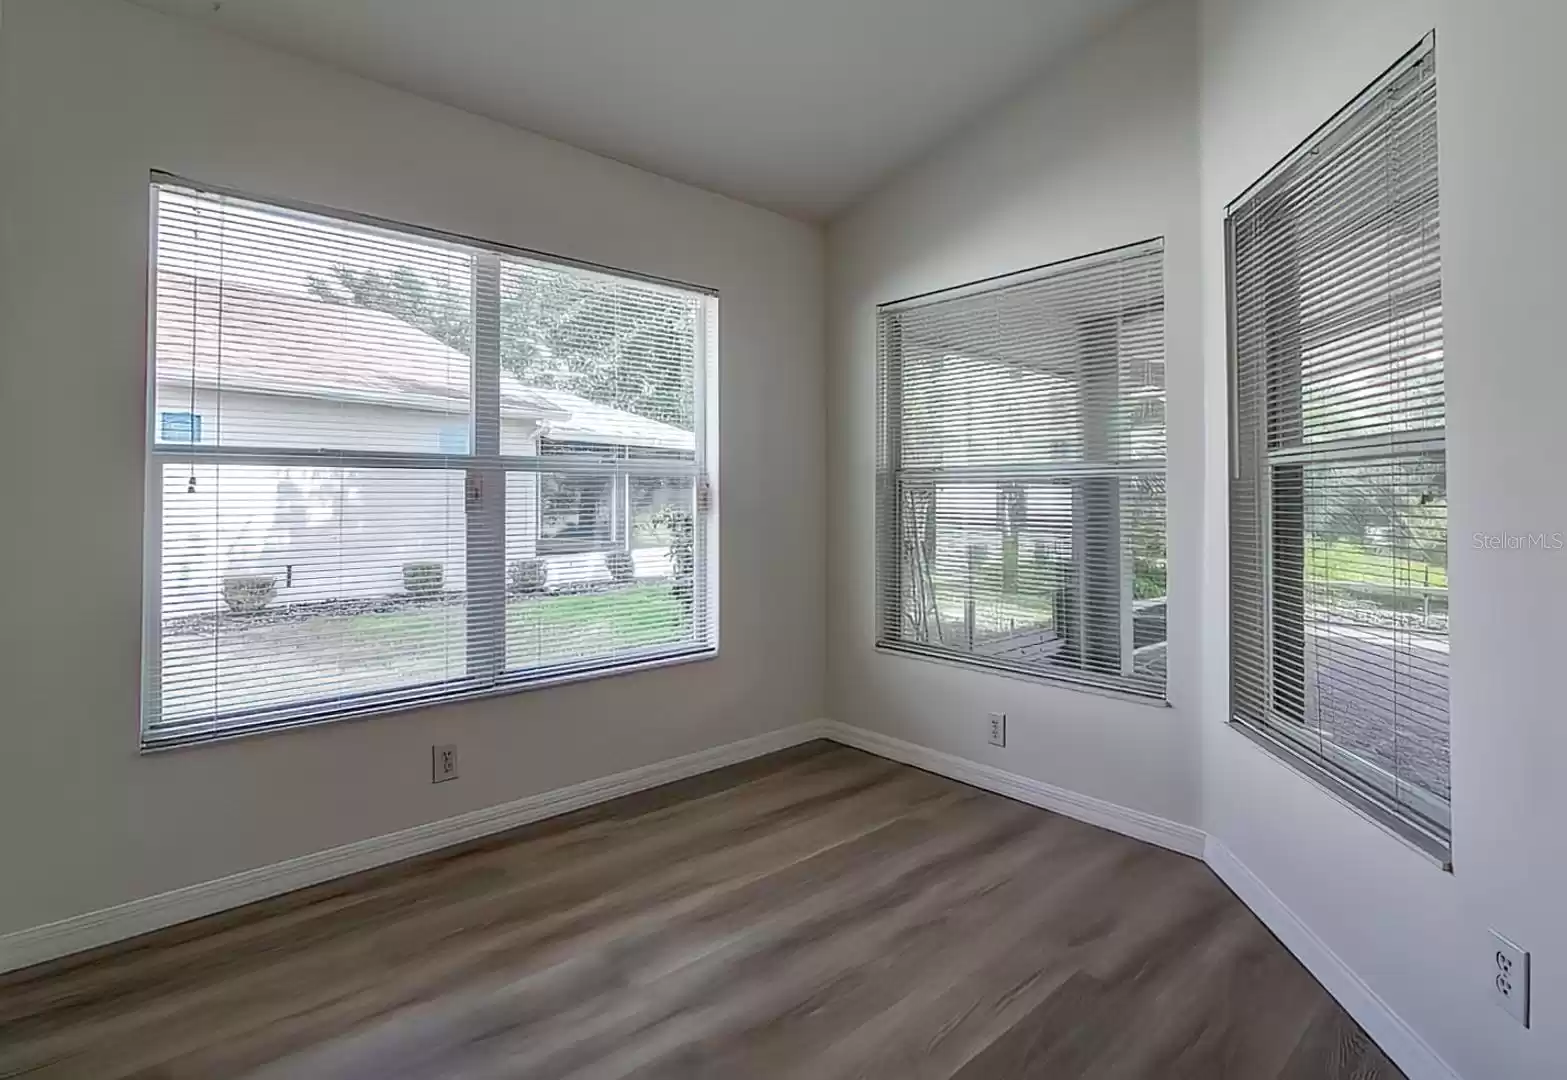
819	913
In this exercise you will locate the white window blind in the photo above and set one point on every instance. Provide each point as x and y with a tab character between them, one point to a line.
1020	502
1338	497
388	468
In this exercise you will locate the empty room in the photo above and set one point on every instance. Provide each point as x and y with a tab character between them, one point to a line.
738	539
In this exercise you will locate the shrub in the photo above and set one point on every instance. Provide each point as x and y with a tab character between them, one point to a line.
249	593
622	568
423	578
528	575
682	554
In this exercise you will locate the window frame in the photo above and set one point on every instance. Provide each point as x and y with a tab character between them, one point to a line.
486	470
1354	780
891	475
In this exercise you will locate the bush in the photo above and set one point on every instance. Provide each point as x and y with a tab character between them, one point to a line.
423	578
682	550
528	575
249	593
622	568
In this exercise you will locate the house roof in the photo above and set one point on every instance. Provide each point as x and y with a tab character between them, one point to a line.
234	336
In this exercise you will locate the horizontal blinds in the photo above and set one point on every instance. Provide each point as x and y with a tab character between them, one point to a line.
388	468
1021	473
1338	498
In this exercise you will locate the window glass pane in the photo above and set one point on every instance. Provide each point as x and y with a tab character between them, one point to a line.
284	329
1034	573
1021	506
1375	622
592	364
286	587
622	587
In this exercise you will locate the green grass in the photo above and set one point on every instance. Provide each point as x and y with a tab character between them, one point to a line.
538	629
626	618
1351	563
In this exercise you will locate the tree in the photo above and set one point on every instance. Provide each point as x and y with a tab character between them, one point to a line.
614	343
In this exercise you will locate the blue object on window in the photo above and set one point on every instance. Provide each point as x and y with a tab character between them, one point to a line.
179	427
452	439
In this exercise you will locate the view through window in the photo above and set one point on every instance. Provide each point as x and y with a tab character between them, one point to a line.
389	467
1021	479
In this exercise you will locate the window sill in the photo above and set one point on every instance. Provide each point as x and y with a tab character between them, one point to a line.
1064	682
404	700
1376	810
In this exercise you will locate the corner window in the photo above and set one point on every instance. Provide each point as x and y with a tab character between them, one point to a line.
375	476
1021	473
1338	490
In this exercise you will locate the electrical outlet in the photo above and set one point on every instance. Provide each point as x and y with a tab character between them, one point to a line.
1510	977
998	729
443	763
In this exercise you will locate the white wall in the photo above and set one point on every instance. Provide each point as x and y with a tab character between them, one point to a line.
1272	71
93	95
1101	153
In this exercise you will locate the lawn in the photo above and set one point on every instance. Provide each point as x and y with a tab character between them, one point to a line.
248	666
563	626
1351	563
538	629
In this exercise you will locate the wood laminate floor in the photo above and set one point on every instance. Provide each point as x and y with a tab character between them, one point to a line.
819	913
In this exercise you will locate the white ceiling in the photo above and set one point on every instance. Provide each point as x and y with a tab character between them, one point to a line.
798	105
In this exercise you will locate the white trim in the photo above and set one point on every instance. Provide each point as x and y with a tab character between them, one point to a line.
23	948
1386	1028
1139	825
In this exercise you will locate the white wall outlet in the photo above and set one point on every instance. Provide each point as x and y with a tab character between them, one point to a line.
443	763
1510	977
998	729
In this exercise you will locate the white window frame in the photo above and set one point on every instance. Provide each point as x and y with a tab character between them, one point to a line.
486	468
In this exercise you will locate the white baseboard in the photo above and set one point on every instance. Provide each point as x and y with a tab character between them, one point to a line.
1387	1029
24	948
1107	815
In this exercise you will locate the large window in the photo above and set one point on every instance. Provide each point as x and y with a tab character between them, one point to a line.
1338	496
1020	503
389	468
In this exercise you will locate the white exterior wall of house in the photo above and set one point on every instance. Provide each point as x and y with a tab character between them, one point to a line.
319	531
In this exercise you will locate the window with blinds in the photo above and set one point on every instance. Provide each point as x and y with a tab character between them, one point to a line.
388	468
1021	472
1338	492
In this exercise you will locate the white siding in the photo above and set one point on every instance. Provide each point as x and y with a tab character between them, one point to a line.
321	533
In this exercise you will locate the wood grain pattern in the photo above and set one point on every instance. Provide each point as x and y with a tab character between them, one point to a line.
819	913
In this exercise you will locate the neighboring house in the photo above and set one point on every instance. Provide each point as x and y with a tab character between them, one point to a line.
300	373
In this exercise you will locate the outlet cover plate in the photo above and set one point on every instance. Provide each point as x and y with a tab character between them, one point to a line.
998	729
1510	977
443	763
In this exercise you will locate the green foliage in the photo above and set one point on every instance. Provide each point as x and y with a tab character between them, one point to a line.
682	549
559	330
249	593
1150	579
423	578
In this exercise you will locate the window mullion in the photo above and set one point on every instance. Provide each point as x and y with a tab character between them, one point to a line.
485	501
